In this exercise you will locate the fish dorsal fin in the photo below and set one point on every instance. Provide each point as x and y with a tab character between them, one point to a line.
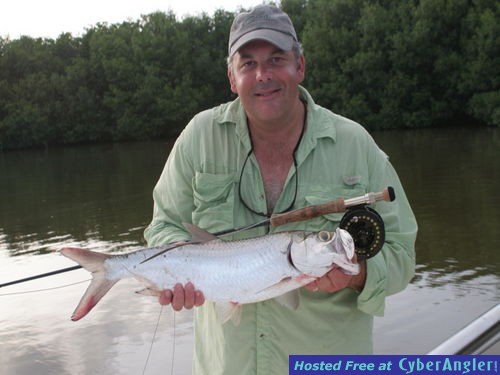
229	310
290	299
199	235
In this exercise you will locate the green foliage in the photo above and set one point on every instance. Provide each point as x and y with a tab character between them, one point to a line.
405	64
386	64
480	73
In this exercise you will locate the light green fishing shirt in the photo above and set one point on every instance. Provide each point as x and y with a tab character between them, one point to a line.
336	158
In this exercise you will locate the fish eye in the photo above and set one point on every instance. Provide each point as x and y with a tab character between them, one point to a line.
325	236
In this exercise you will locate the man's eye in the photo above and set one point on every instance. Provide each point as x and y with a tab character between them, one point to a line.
277	60
248	64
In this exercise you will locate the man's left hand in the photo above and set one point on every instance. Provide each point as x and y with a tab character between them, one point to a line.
336	280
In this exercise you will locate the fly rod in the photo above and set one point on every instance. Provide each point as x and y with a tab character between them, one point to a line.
40	276
309	212
301	214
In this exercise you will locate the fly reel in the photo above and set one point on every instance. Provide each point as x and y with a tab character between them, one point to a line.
366	228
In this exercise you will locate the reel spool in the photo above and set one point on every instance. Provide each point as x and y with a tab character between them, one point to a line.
366	228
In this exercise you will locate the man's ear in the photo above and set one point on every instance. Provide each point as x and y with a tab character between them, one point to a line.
231	81
301	68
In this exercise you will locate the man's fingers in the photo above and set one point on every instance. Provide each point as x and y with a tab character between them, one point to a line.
325	284
182	297
178	297
199	298
165	297
312	286
189	296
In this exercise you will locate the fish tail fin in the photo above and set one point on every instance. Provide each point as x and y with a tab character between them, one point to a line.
99	285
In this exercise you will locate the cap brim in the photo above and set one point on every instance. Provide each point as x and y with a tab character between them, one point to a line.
281	40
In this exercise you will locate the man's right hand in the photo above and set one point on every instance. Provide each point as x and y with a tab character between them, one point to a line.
182	297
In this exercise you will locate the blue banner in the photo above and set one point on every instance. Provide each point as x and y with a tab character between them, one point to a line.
393	364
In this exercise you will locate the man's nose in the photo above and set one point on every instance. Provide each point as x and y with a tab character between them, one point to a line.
264	72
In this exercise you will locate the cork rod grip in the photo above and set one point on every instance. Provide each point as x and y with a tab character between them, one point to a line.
307	212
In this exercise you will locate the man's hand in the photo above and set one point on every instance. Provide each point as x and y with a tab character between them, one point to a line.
182	297
336	280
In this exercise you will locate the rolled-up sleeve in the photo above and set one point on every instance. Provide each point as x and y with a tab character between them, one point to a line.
173	198
393	267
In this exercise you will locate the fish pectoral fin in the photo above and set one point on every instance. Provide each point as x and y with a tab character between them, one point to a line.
199	235
229	311
290	299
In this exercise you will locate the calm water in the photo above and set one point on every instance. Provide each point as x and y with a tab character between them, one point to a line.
99	197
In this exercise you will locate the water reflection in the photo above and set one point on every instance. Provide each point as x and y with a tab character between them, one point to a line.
452	178
37	335
98	192
99	197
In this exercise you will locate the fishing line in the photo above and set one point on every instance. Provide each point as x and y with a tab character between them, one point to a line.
173	345
44	289
152	340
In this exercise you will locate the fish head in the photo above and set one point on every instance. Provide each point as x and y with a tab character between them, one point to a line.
314	254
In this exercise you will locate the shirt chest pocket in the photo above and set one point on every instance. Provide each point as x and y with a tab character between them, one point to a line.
213	196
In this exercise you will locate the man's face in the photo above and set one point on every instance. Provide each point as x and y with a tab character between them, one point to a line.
266	80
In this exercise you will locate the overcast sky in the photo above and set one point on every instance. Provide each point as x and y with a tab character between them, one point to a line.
49	18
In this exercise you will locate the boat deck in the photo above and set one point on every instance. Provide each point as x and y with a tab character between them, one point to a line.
481	336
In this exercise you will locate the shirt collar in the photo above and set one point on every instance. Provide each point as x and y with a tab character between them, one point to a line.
318	123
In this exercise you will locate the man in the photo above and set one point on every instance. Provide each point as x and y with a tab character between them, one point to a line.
271	150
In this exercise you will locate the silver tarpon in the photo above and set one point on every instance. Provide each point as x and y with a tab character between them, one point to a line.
229	273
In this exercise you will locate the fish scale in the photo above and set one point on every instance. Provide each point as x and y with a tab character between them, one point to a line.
249	265
229	273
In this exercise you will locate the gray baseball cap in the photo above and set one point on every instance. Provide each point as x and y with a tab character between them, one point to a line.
264	22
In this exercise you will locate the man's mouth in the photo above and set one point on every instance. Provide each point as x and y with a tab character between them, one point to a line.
266	93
